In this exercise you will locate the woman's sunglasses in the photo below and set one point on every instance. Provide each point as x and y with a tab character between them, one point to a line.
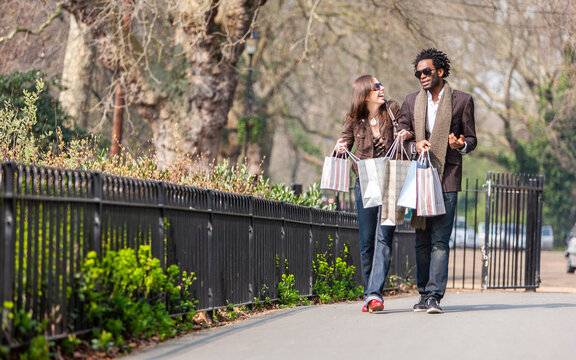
426	72
378	87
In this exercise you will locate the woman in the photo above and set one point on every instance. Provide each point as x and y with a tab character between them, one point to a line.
369	126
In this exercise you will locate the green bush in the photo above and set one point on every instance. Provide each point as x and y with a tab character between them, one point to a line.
27	331
334	278
125	295
49	115
312	197
17	141
287	294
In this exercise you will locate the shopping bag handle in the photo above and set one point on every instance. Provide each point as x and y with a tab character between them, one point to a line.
336	154
347	153
424	158
393	151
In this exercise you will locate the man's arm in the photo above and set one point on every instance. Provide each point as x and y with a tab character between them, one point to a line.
406	126
469	127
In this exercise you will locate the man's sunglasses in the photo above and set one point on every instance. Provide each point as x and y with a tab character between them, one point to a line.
378	87
426	72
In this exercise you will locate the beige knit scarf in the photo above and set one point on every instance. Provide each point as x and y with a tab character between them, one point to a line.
438	138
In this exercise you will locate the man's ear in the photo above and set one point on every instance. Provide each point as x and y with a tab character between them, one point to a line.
440	72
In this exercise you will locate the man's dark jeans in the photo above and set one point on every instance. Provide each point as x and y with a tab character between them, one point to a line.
433	251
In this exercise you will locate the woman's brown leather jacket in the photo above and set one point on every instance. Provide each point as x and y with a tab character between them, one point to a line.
358	132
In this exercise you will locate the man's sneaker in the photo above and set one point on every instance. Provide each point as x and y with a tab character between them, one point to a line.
375	305
364	308
433	307
421	305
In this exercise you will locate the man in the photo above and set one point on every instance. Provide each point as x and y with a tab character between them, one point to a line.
440	120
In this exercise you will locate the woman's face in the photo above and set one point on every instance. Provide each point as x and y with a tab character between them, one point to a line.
376	95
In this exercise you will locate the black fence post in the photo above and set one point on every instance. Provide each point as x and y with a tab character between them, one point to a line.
337	237
96	244
297	188
211	278
282	256
310	251
8	220
534	226
540	199
486	246
159	249
251	257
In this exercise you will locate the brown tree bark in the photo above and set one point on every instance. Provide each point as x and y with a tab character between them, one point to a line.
116	149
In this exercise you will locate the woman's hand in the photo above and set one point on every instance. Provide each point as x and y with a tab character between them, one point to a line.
341	146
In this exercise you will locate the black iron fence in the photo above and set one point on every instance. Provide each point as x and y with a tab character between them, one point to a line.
513	231
238	246
496	239
466	256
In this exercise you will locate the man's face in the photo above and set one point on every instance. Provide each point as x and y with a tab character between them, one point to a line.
429	77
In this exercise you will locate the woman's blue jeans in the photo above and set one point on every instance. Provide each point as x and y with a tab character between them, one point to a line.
375	248
433	251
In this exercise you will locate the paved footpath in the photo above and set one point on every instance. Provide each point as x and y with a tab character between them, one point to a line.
475	325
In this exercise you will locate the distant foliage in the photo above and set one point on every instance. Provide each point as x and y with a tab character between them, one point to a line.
57	148
15	91
17	142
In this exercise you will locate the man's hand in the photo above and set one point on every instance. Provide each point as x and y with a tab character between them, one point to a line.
423	145
456	143
404	134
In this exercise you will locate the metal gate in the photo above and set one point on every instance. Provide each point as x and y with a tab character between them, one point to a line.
496	236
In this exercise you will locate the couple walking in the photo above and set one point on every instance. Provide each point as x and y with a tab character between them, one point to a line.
437	119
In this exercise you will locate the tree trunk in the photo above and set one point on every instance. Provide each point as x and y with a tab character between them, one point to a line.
195	129
77	73
115	149
187	121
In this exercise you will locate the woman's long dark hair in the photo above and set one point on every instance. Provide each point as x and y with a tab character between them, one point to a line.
361	88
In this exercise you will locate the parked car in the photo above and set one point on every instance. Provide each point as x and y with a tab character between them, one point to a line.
547	242
571	254
515	236
502	235
495	231
463	233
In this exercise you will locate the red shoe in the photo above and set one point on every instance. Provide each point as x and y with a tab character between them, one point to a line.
364	308
375	305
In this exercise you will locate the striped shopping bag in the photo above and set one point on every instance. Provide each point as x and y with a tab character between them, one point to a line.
429	197
335	173
397	171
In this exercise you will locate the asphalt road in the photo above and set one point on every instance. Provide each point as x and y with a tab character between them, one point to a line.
475	325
